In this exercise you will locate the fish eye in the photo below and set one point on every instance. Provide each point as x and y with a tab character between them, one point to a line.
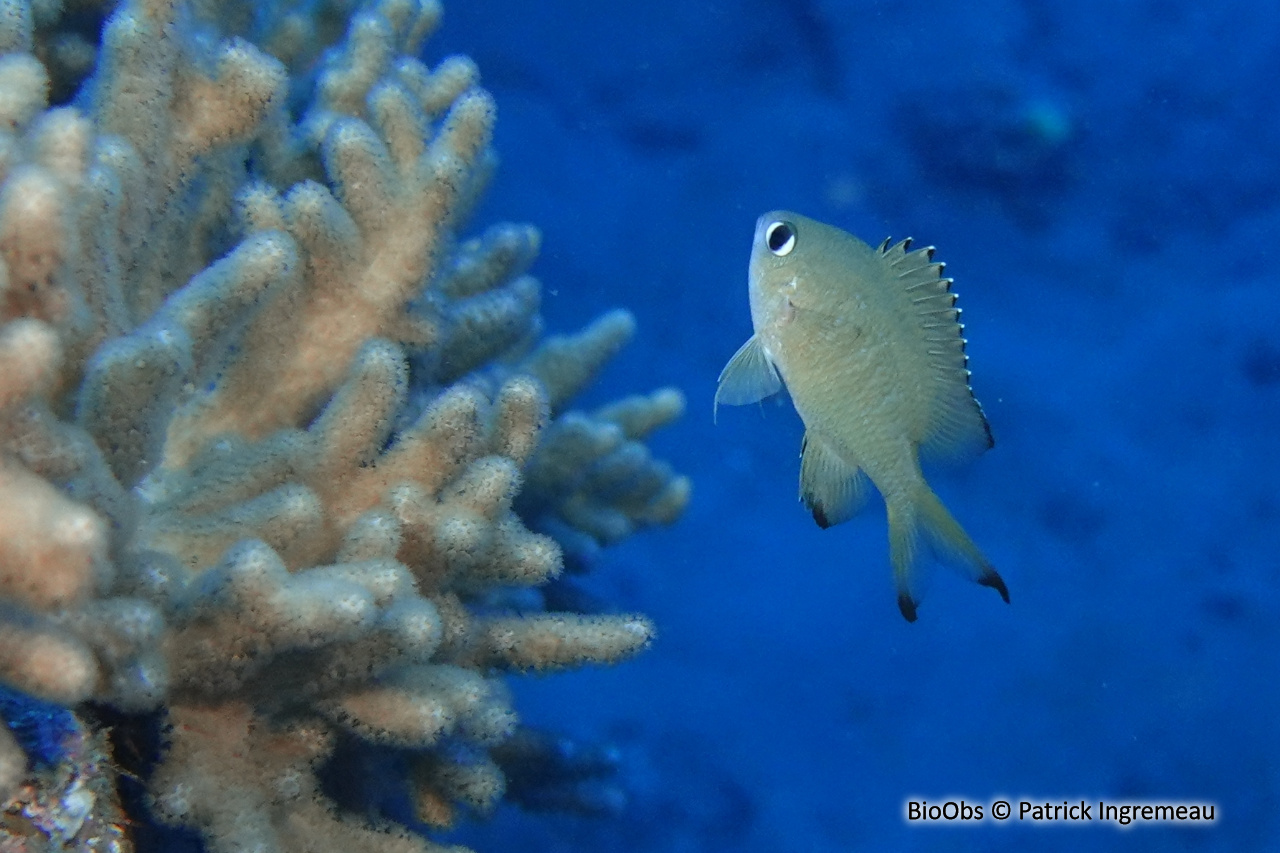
780	237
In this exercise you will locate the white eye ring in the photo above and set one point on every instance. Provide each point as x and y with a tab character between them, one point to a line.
780	237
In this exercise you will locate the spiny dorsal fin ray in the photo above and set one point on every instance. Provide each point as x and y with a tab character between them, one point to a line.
957	428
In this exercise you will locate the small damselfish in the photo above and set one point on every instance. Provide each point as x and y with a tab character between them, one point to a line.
868	344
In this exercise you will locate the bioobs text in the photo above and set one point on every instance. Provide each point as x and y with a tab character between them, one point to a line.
922	810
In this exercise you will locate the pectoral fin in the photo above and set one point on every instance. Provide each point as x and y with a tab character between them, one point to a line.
748	377
831	488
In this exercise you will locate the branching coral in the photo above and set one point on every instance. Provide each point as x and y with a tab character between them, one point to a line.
270	435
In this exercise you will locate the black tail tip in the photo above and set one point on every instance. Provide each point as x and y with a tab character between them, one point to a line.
992	579
908	606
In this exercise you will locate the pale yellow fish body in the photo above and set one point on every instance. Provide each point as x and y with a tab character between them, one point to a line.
868	343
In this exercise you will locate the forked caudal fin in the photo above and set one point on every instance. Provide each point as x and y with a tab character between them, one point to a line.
925	521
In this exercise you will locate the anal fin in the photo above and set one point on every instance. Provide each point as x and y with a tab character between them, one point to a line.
831	488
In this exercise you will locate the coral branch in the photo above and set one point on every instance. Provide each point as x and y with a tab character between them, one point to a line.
279	446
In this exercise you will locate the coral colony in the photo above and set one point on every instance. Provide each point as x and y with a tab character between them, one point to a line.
265	418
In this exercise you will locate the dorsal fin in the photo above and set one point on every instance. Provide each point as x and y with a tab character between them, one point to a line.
957	428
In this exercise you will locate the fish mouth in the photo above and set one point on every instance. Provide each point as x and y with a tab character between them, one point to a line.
768	218
761	224
761	238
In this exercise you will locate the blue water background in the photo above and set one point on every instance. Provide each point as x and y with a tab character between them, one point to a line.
1102	181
